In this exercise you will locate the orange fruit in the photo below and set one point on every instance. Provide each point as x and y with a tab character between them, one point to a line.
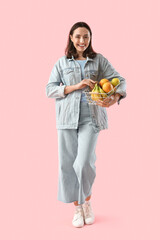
107	87
102	81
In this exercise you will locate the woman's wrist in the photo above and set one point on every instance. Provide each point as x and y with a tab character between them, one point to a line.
69	89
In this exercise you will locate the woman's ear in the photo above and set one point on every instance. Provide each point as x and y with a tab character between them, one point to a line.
71	37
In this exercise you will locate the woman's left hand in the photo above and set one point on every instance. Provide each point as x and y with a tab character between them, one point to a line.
109	101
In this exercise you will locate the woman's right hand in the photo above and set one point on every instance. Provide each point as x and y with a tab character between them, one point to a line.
86	82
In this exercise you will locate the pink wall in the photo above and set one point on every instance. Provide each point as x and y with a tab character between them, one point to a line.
126	190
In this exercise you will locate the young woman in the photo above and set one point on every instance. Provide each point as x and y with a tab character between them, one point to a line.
79	123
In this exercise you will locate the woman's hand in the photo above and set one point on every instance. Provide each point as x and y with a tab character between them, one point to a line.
109	101
86	82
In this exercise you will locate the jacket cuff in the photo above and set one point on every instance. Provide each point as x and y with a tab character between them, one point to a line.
61	91
123	95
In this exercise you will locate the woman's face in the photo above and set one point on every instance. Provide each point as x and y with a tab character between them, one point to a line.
80	39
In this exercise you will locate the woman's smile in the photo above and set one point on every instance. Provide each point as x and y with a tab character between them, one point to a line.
81	46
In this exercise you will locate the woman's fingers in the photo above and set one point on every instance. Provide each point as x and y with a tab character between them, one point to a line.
108	99
102	104
91	85
107	102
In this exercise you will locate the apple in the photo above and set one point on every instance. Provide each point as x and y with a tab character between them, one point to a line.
115	81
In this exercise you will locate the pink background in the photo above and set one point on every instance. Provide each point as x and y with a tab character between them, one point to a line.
126	193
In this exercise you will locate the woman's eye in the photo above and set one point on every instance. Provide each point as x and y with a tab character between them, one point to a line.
78	37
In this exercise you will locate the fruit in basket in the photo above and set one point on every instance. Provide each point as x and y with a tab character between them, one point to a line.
107	87
97	96
102	81
115	81
94	90
104	94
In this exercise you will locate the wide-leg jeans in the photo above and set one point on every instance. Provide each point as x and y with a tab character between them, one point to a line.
76	152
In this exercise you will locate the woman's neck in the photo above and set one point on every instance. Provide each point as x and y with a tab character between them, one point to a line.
80	57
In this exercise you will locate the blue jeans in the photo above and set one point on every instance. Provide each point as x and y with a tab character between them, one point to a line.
76	151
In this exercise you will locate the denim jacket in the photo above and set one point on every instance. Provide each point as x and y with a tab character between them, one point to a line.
67	72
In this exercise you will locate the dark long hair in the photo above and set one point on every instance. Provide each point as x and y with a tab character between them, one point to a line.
71	50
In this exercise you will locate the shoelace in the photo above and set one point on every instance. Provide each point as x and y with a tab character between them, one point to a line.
78	212
87	209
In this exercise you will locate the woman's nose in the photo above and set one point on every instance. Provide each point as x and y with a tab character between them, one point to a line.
82	40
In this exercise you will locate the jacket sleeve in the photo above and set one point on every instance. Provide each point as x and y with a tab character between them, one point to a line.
109	72
53	88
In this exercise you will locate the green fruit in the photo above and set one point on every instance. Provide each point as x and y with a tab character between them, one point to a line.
98	96
104	95
115	81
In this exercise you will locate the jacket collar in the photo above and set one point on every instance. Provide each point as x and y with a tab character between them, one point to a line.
88	59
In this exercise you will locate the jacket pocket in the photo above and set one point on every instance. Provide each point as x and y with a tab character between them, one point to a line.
92	74
68	76
65	111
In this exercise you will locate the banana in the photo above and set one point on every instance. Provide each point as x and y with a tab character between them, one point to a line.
104	95
97	96
93	90
96	89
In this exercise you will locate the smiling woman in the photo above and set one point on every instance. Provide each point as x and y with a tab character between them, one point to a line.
79	123
80	42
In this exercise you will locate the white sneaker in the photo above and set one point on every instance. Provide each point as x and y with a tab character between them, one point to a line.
88	213
78	219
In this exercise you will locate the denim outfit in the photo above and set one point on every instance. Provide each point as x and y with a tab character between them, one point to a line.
78	124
